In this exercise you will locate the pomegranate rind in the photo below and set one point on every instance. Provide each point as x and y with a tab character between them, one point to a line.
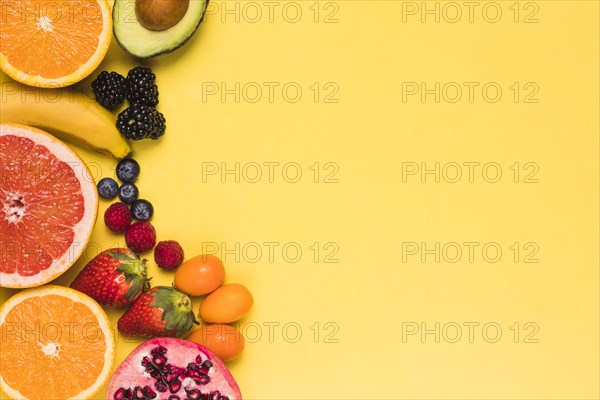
130	369
82	230
103	323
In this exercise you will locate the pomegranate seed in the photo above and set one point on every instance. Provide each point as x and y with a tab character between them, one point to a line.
159	360
151	368
146	362
223	398
177	370
119	394
129	394
215	395
192	367
202	379
207	364
149	392
173	397
138	392
198	359
155	374
194	394
175	386
205	396
170	377
160	350
161	386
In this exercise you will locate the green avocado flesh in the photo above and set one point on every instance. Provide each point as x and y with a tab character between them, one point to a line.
143	43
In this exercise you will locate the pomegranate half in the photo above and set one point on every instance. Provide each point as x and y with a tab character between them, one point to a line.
172	369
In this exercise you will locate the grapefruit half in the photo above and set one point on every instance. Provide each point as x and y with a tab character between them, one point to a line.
48	206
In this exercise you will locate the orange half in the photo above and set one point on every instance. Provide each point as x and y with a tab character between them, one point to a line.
56	344
53	43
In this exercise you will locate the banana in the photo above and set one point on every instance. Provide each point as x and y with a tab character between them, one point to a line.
65	113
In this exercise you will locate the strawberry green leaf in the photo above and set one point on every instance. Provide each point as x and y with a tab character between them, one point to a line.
135	273
137	287
122	256
177	309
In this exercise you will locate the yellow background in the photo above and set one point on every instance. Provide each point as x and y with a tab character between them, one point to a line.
370	294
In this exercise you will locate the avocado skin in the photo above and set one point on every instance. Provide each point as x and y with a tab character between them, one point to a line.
166	51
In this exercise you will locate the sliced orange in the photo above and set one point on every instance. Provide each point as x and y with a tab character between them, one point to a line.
48	206
53	43
56	344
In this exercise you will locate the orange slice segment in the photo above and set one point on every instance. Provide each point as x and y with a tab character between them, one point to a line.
56	344
53	43
48	206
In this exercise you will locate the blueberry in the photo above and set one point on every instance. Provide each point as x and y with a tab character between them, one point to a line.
128	170
142	210
128	193
107	188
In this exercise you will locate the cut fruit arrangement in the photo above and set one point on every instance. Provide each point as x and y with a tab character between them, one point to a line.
118	277
49	208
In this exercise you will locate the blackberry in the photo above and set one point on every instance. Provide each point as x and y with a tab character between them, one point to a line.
109	89
140	121
141	86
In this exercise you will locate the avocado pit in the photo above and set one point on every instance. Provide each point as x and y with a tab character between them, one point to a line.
160	15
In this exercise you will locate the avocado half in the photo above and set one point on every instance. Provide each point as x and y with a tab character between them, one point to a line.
140	42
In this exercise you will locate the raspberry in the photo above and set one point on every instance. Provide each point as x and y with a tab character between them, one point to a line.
140	236
168	255
117	217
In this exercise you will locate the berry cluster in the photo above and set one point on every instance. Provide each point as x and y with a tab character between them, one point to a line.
109	89
141	120
141	86
140	236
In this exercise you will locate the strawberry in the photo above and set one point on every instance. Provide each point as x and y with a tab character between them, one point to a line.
161	311
115	277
